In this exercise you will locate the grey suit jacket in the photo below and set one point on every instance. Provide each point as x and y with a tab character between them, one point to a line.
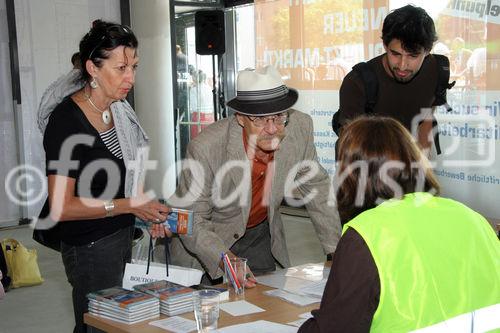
221	206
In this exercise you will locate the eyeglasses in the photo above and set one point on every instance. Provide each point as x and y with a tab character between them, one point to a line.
111	28
280	119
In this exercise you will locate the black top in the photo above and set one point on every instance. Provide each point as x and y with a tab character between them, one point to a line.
92	176
401	101
352	292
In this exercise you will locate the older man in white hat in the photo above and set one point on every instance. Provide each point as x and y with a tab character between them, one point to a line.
247	164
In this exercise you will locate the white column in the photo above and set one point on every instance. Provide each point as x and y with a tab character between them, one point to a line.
150	22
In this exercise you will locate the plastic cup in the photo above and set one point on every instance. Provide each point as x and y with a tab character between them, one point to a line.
239	274
206	309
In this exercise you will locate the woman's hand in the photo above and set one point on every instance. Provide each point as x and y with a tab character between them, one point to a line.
147	209
151	210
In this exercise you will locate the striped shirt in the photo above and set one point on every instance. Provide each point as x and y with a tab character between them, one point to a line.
111	141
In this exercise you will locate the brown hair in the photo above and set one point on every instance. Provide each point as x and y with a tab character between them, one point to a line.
379	154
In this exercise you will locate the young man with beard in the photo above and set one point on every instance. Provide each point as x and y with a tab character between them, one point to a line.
247	165
407	75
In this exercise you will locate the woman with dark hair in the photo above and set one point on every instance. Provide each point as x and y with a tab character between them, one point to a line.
407	259
94	145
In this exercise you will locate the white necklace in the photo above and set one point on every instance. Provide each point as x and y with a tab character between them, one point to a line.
105	114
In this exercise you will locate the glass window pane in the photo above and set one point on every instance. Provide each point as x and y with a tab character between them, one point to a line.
194	84
245	37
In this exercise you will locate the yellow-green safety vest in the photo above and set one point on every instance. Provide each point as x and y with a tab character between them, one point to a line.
438	263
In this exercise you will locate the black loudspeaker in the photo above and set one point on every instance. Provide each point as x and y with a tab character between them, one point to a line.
209	28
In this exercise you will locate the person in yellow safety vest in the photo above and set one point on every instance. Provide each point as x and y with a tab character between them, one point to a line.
408	260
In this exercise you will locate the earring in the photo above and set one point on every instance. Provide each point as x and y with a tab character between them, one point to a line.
93	83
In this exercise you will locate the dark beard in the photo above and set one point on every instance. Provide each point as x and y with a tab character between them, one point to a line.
402	80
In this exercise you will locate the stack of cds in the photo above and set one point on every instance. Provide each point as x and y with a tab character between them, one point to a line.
174	298
123	305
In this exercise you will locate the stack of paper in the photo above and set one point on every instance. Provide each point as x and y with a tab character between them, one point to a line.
258	326
294	298
123	305
174	298
300	285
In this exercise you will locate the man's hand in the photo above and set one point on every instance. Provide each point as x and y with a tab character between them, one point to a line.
159	231
251	281
425	135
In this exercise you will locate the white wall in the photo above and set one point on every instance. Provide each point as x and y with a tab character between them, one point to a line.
9	212
153	89
48	33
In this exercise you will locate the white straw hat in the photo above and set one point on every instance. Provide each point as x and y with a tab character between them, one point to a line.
262	92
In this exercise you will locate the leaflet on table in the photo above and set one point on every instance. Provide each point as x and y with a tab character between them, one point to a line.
300	300
258	326
293	288
179	221
175	324
240	308
279	280
314	289
310	272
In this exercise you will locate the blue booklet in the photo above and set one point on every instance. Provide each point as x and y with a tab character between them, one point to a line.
179	221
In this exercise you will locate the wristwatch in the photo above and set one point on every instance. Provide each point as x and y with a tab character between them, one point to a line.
109	206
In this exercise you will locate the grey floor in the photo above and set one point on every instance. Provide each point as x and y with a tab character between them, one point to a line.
47	307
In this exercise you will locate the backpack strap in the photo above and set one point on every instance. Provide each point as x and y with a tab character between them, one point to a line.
443	77
443	64
370	82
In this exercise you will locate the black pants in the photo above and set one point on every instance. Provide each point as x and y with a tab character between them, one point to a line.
95	266
255	245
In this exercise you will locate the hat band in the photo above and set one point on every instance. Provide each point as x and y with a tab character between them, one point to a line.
261	95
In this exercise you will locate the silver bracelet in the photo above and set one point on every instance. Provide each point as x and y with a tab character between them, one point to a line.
109	206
